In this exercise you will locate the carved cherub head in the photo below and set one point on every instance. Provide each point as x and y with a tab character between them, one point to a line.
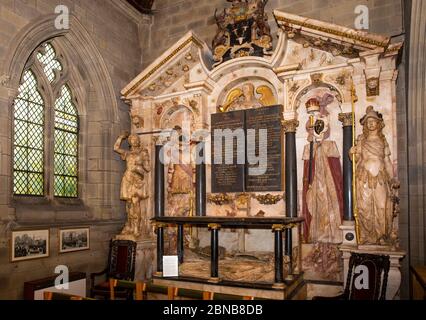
137	120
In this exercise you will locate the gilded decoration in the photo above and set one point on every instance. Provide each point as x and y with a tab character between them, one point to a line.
219	199
290	125
268	199
350	35
179	70
248	96
346	119
243	30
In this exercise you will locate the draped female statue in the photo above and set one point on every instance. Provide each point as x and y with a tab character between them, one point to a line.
375	182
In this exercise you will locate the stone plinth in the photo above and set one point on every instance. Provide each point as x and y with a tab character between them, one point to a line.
145	257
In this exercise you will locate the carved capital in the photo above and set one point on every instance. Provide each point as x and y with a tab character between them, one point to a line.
277	227
346	119
290	125
214	226
158	225
161	138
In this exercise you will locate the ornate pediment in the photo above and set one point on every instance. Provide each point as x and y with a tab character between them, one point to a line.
170	72
338	40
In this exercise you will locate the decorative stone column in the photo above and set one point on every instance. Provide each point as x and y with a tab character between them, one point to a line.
214	266
200	181
159	182
346	119
290	127
278	252
348	225
160	248
180	242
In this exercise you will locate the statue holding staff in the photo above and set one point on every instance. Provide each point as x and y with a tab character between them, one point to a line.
374	182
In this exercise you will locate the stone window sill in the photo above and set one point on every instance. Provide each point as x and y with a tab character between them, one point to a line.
43	203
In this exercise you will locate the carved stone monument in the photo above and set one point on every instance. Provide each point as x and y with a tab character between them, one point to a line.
240	78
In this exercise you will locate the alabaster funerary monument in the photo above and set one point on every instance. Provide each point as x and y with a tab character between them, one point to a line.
245	149
326	96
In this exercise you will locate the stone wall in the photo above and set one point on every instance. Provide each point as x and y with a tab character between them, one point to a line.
102	38
173	18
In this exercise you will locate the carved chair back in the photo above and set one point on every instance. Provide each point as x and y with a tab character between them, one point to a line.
367	277
122	259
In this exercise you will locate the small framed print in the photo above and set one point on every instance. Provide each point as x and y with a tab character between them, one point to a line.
76	239
29	244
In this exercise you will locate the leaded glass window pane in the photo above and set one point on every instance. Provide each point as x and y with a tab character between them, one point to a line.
66	146
28	162
49	61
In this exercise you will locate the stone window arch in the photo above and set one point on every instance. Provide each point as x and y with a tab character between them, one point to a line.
46	129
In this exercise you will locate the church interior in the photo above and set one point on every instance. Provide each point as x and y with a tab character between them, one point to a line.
212	150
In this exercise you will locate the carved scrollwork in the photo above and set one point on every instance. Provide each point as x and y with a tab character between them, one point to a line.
346	119
219	199
268	199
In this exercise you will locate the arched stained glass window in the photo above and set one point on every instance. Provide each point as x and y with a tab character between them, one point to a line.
32	126
28	167
66	146
49	62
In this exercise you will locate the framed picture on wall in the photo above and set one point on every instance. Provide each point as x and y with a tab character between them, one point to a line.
29	244
75	239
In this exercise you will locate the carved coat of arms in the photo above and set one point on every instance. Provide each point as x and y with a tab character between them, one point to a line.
243	30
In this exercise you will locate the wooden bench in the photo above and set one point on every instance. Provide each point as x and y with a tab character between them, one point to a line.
418	282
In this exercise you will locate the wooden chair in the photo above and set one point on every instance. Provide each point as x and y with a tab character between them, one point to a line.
190	294
378	270
121	266
135	286
224	296
48	295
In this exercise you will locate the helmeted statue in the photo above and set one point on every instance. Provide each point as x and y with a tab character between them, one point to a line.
375	182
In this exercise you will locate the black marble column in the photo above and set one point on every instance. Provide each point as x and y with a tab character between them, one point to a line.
278	250
346	119
180	239
214	243
200	182
160	248
290	179
159	183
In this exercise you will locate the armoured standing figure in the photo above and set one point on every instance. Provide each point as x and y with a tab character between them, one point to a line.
134	184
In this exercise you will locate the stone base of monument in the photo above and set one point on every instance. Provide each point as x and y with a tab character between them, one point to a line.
349	234
395	256
145	259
